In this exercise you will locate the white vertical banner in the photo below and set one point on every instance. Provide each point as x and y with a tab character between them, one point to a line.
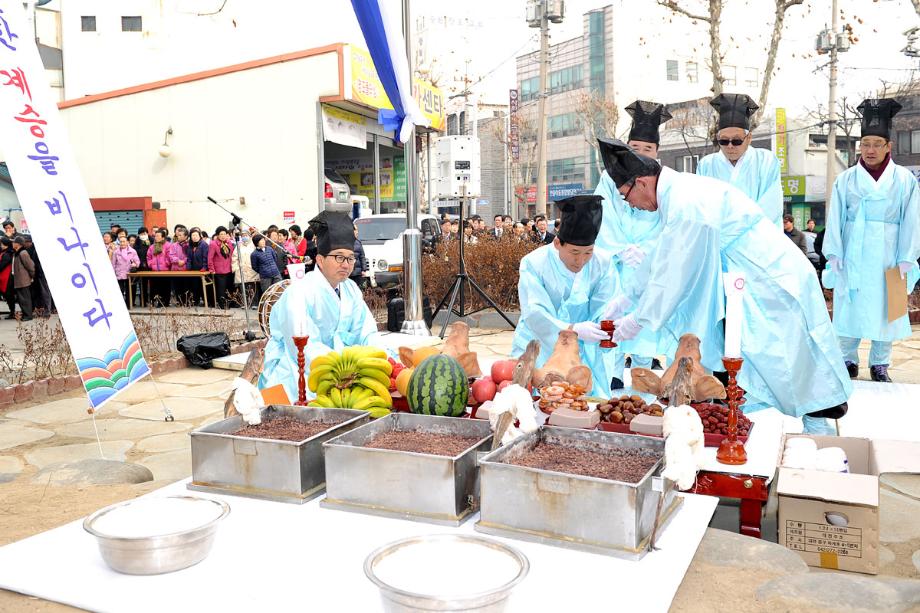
60	217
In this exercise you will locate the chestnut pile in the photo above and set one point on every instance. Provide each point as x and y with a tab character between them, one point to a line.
715	419
562	395
622	410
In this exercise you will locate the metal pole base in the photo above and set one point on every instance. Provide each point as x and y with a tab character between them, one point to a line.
415	327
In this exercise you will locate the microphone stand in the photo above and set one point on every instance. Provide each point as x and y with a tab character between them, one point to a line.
235	222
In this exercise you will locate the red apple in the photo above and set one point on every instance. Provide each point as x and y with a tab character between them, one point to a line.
483	389
503	370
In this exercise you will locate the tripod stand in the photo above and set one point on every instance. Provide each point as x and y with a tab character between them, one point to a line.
457	286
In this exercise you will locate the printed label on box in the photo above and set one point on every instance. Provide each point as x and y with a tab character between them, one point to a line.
821	538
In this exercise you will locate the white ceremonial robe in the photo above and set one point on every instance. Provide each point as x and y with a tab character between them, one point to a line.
756	174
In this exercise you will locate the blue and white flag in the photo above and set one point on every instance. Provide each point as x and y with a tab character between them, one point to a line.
380	21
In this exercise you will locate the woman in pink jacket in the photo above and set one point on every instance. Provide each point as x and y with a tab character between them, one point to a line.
158	261
178	260
220	262
124	260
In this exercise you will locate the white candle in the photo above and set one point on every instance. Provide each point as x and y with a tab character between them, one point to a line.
298	315
734	312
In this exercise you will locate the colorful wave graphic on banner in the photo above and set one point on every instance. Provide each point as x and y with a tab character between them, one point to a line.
118	369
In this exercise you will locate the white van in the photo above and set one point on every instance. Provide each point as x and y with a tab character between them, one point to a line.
381	237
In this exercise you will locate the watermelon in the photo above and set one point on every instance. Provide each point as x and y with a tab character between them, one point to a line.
438	387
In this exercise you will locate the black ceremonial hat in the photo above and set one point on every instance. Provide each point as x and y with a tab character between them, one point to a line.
333	231
646	117
623	164
876	116
581	219
735	110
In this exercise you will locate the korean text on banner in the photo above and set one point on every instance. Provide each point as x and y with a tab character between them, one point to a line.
54	200
781	145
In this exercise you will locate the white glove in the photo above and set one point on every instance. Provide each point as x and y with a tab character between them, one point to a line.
589	332
905	267
248	401
616	307
836	264
626	328
632	256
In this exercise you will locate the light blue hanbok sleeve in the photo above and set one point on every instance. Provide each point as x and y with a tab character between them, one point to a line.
611	237
908	248
280	365
835	221
538	313
684	292
771	190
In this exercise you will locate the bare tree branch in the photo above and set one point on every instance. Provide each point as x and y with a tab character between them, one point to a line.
672	5
916	6
780	16
715	45
598	117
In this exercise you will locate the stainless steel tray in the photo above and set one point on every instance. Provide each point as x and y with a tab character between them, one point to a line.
416	486
282	471
586	513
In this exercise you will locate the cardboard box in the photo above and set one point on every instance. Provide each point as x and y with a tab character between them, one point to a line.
832	519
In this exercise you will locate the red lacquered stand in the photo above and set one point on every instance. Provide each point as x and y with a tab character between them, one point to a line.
731	450
300	342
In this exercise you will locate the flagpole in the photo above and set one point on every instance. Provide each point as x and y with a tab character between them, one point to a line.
414	322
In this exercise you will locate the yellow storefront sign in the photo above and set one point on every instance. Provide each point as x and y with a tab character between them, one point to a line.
781	143
366	88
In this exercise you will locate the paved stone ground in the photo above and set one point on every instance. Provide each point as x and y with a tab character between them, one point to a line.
40	440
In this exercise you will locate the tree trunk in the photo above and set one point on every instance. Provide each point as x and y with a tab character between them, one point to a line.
715	45
781	7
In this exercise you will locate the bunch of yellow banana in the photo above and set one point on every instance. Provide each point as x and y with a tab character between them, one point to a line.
356	378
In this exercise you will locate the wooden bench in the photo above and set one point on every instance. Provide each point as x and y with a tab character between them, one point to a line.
207	279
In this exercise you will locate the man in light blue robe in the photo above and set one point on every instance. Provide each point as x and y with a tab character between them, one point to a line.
754	171
791	357
873	224
326	305
568	285
630	235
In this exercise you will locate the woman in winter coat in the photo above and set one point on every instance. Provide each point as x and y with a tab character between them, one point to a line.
6	268
249	276
124	259
158	261
178	260
264	263
220	263
197	258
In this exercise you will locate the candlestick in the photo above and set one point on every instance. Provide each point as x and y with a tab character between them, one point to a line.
300	342
731	450
734	312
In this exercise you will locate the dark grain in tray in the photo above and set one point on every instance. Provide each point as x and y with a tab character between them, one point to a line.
626	465
422	442
286	429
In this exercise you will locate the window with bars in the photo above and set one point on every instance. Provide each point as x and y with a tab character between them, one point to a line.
132	23
672	68
729	75
689	163
567	124
565	170
751	77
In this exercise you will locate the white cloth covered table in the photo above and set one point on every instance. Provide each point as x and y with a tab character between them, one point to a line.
311	559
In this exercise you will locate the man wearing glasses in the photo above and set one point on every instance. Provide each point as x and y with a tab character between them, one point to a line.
326	305
792	360
873	224
630	235
754	171
566	285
